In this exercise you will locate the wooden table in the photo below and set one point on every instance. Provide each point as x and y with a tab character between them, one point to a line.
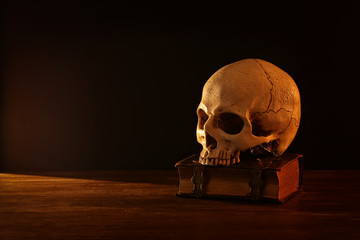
141	205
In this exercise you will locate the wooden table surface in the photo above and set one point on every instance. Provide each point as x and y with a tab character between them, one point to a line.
141	205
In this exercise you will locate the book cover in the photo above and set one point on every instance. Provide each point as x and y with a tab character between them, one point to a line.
268	178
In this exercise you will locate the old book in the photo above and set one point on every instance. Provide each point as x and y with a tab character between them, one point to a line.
269	178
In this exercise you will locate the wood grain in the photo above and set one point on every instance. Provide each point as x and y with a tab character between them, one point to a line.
141	205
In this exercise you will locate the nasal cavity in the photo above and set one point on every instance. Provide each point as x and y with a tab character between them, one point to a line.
210	141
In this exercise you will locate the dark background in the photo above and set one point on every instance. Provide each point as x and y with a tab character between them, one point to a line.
92	85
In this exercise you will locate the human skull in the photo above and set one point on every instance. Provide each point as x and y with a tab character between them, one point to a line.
247	106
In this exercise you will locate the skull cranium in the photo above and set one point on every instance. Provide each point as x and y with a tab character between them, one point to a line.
250	105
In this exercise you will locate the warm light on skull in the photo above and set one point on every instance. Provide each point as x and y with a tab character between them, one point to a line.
247	105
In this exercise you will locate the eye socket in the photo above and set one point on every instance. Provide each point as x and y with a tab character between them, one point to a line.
230	123
202	118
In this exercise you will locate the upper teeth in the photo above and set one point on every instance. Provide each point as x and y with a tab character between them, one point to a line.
218	161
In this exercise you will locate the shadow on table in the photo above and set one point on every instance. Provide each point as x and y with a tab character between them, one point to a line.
163	177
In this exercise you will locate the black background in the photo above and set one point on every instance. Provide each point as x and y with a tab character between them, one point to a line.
95	85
